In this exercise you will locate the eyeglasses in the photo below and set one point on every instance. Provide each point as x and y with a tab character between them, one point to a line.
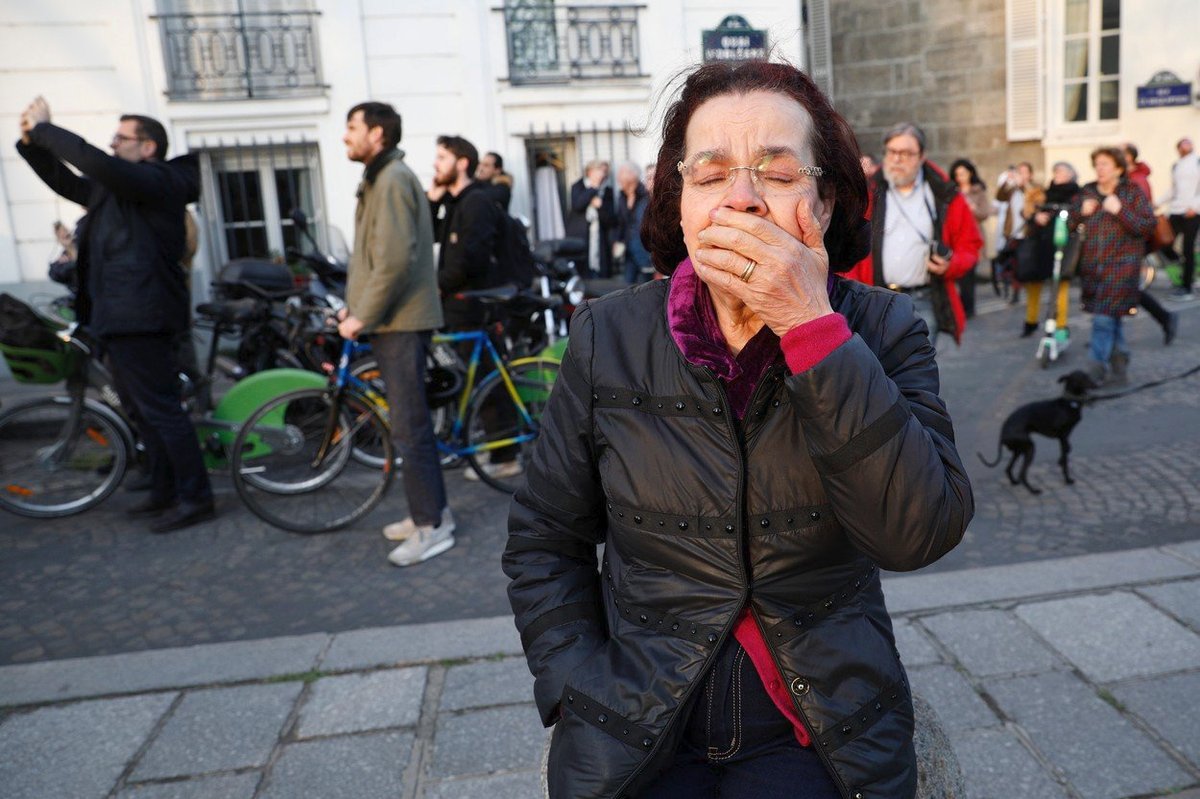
119	138
772	175
903	155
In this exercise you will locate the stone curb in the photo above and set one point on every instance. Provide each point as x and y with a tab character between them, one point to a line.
248	661
1045	578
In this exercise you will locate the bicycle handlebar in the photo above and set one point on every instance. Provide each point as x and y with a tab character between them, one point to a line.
72	335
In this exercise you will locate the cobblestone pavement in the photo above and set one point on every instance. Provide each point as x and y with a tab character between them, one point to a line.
98	584
1068	678
1134	459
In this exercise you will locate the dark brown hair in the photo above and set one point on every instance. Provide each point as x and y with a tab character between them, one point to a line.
834	149
150	129
461	148
1115	153
379	115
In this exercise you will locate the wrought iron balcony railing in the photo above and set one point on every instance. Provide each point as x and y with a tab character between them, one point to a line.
241	55
551	43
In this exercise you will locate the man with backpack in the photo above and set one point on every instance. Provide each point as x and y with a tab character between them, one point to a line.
468	228
470	231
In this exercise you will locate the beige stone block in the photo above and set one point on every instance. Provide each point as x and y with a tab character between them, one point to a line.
951	57
867	77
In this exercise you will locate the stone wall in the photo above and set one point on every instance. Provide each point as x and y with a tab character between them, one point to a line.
938	63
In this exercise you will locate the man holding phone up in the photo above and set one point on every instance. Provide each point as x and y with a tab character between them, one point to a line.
923	235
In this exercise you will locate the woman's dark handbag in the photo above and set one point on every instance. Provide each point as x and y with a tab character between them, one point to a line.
1163	235
1030	266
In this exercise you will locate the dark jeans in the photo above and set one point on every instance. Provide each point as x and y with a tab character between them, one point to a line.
1186	227
1154	308
738	745
147	371
401	359
185	360
923	305
966	291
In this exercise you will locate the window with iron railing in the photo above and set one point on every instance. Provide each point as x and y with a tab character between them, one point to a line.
240	49
550	42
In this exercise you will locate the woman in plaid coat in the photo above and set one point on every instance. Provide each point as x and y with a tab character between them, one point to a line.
1117	218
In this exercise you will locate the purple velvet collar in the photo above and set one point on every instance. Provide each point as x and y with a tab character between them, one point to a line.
693	323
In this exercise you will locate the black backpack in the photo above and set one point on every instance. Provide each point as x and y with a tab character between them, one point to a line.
514	257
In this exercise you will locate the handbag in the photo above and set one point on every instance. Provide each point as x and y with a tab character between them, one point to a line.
1163	235
1030	267
1071	253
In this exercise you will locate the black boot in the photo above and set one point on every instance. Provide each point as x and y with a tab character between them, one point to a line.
184	515
152	506
138	481
1170	328
1029	329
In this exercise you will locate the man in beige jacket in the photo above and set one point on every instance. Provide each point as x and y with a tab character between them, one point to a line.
391	293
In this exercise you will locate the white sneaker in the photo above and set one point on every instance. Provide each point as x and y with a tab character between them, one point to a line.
500	471
424	542
400	531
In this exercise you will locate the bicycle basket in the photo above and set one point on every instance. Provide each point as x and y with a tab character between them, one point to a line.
32	351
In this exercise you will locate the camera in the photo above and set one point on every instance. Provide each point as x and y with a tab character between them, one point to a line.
939	249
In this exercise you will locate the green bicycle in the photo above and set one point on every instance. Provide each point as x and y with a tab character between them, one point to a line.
61	455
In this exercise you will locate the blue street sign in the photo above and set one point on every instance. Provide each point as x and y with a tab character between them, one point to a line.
1164	89
734	40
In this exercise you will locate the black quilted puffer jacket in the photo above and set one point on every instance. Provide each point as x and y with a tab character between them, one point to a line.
832	474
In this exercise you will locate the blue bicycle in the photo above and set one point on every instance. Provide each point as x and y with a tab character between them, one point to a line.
321	458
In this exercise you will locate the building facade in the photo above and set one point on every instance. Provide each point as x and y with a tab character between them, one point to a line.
1003	81
259	89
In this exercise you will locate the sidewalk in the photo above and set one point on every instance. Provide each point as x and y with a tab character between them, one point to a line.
1073	678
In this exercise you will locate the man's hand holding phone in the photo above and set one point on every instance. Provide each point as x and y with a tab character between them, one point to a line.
939	258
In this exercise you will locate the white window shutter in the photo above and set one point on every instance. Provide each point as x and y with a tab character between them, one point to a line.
819	51
1025	69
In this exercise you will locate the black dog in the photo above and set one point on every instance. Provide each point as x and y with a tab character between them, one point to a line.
1051	418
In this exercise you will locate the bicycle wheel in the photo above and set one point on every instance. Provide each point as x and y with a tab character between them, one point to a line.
498	434
292	460
367	370
53	464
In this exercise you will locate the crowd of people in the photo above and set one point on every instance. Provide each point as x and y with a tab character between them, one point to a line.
928	237
923	227
917	210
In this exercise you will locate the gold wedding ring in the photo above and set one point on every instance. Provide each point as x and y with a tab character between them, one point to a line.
748	271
